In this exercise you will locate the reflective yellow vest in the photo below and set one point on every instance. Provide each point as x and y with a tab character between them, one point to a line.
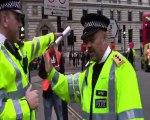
115	96
13	80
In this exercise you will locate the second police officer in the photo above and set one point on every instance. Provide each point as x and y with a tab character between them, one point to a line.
108	88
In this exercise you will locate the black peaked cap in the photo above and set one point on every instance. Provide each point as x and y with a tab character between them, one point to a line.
13	5
92	23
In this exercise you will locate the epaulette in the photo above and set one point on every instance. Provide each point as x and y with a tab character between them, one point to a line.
118	60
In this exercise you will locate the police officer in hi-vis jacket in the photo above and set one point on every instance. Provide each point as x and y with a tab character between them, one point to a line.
17	99
108	88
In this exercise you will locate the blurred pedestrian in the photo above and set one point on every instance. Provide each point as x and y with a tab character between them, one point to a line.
112	45
70	57
107	89
131	53
50	99
18	101
78	58
83	61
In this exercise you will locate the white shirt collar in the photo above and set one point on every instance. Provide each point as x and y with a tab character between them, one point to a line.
106	54
2	38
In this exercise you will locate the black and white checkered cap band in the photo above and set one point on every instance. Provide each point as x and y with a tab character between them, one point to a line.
95	24
10	5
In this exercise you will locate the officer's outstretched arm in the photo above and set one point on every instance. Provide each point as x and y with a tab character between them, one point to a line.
65	86
38	45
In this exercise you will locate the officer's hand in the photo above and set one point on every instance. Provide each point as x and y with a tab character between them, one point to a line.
32	96
48	63
58	35
57	68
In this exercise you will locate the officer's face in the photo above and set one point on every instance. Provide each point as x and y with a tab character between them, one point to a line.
12	24
96	45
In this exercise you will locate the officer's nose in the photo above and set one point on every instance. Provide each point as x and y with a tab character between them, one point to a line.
89	44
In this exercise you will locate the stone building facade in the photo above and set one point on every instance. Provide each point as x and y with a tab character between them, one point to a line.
127	13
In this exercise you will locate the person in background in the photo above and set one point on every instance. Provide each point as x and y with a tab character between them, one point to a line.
83	61
50	99
108	88
18	101
112	45
131	53
70	57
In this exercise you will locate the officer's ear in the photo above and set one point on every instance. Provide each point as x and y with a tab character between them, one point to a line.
4	18
105	35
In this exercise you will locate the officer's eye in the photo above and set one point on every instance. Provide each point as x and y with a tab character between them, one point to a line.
89	39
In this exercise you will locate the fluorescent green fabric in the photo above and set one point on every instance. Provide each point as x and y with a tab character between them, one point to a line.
9	76
126	89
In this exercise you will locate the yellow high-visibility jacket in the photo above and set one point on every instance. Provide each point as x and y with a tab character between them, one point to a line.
115	96
13	80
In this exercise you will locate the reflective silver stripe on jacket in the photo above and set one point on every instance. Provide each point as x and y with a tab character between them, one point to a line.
76	85
130	114
18	73
32	49
99	116
55	79
13	95
37	46
85	80
70	88
20	90
2	105
111	92
126	115
18	110
18	94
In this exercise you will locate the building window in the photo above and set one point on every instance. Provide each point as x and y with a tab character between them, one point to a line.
85	12
140	2
140	31
70	15
112	15
119	15
119	1
84	0
149	2
114	1
130	35
100	12
129	16
44	16
119	36
99	0
44	32
34	10
140	16
128	1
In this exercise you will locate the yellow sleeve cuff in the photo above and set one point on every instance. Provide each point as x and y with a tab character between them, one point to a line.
51	74
52	38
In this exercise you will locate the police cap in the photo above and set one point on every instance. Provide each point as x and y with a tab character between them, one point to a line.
13	5
92	23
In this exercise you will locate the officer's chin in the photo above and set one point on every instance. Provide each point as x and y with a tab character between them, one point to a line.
92	58
95	59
